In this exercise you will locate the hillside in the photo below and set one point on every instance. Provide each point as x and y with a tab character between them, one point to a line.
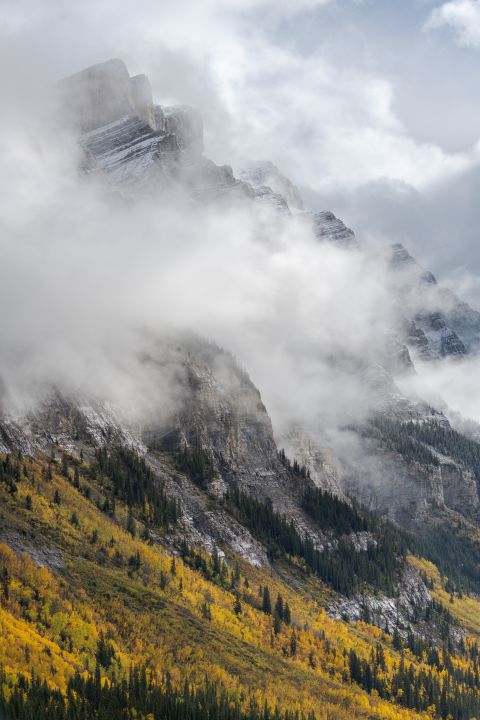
86	590
173	549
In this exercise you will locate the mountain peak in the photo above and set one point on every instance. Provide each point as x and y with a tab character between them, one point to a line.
265	174
105	92
328	227
399	258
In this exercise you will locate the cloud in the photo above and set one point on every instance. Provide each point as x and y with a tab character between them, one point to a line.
461	16
449	385
95	276
328	124
338	126
90	280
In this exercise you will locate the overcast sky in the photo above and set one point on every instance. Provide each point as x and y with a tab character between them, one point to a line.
371	106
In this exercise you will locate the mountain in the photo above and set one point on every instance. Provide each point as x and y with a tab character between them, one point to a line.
198	559
265	176
437	323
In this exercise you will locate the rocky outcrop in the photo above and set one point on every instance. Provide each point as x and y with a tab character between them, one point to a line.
319	461
105	93
202	523
269	182
217	408
69	423
460	491
398	613
386	482
222	410
406	491
409	611
436	323
138	146
187	125
43	553
327	227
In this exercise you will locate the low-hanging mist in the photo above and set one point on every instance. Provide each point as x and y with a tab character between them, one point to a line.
94	276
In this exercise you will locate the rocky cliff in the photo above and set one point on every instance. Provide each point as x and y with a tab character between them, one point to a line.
437	323
141	147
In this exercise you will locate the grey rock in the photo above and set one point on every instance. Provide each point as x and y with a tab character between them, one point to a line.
437	323
104	93
402	613
43	554
267	180
327	227
186	124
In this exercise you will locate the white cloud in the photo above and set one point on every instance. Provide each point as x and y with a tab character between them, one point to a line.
330	125
462	16
86	278
85	267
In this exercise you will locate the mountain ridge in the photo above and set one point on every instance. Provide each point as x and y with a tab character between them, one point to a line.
158	545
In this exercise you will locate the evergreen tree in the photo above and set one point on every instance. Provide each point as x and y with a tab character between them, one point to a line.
237	606
266	602
279	607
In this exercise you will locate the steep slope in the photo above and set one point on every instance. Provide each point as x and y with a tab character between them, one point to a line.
141	555
140	147
267	180
437	323
145	148
110	595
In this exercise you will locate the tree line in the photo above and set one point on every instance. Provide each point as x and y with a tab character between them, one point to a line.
139	696
343	567
134	483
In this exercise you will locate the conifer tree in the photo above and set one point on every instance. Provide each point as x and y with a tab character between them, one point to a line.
266	602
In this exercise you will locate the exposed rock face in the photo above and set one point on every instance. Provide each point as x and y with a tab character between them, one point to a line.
397	357
45	555
387	483
202	524
218	407
463	320
142	102
138	146
68	423
267	179
407	612
460	489
437	323
416	339
328	227
187	125
104	93
399	612
405	490
319	461
223	411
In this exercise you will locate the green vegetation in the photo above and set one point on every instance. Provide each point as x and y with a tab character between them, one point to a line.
330	512
455	554
448	442
295	468
344	568
195	462
122	627
399	438
134	483
454	694
9	473
140	696
415	441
